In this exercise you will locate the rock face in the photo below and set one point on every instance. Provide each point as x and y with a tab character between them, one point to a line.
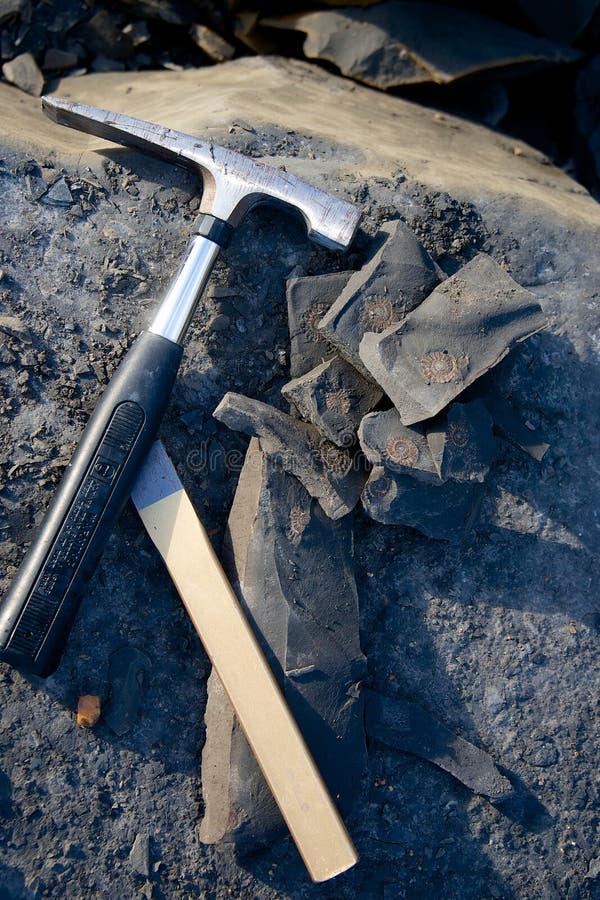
333	475
334	397
497	638
397	278
291	567
466	326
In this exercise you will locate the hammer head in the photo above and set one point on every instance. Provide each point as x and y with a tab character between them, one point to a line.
233	184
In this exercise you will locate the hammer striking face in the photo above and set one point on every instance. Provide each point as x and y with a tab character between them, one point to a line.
37	612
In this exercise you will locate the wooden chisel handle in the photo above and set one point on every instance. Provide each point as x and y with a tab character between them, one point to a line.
260	707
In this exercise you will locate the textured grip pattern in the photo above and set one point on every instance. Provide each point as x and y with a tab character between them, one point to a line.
78	529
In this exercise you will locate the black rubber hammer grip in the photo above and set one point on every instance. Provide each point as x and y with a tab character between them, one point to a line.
38	610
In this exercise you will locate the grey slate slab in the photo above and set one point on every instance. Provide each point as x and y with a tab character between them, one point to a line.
462	442
406	726
394	281
401	448
464	328
334	397
445	511
308	299
292	569
333	475
396	43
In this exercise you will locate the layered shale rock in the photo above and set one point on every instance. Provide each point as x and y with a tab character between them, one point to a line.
333	475
394	281
334	397
292	569
467	325
462	442
308	299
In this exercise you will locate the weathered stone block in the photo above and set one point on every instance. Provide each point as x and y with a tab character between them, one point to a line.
332	475
445	511
397	278
334	397
308	299
385	441
462	443
464	328
291	567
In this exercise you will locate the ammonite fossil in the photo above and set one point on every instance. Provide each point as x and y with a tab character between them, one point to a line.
402	451
336	459
439	367
299	519
378	314
311	319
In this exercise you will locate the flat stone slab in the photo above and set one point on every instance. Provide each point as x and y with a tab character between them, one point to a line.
308	299
308	628
462	443
394	281
333	475
391	44
512	427
406	726
334	397
464	328
401	448
444	512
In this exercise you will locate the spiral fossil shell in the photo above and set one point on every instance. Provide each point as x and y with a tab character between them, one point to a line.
402	451
335	458
311	319
299	519
378	314
439	367
338	400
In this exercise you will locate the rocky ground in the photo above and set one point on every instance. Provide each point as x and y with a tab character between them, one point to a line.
496	636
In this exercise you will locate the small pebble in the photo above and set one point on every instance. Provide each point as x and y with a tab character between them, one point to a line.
88	710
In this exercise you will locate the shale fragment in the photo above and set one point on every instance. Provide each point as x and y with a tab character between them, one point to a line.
334	397
464	328
332	475
308	299
462	442
397	278
401	448
292	570
444	512
406	726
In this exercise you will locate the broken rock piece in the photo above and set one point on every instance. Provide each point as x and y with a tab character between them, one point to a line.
464	328
444	512
308	299
332	475
401	448
406	726
462	443
24	73
216	47
334	397
88	711
397	278
291	568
